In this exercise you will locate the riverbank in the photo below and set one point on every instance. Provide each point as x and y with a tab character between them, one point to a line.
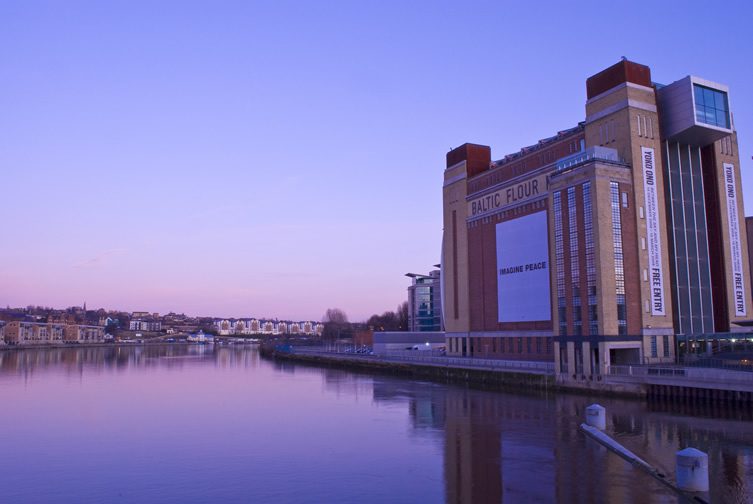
42	346
487	379
517	379
12	348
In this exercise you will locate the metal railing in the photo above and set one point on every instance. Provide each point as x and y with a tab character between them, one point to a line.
732	364
436	358
688	374
416	356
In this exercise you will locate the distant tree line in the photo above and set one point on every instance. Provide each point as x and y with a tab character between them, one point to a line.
337	326
390	320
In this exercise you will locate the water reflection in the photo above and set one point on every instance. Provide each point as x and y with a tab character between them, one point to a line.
513	448
518	448
407	441
729	444
77	360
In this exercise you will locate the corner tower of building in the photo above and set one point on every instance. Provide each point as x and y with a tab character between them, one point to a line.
462	163
711	276
622	113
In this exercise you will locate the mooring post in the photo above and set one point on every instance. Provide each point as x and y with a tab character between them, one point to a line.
596	416
692	470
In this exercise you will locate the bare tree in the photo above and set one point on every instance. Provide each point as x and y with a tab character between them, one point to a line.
335	315
390	320
387	321
402	316
335	324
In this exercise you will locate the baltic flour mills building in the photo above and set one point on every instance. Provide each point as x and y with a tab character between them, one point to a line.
619	240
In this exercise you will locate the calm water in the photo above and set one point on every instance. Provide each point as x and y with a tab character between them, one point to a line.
198	424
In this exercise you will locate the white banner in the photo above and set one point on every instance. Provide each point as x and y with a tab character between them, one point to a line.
738	284
653	235
523	269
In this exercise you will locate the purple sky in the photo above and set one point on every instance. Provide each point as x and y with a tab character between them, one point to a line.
274	159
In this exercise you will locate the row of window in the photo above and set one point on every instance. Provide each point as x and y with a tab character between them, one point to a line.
559	252
574	245
693	307
512	170
726	146
572	214
645	126
619	264
588	231
519	345
607	132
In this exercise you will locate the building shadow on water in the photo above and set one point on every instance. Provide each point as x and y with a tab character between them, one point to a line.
500	447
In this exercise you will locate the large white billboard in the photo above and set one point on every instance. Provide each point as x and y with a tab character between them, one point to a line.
523	269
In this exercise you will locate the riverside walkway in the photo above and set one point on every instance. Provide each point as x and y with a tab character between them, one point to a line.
664	381
683	376
422	358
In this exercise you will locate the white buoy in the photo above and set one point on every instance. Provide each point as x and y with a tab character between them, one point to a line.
596	416
692	470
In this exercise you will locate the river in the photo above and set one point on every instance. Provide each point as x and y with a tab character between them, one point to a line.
189	424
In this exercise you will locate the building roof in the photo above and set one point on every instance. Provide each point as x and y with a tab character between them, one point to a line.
545	142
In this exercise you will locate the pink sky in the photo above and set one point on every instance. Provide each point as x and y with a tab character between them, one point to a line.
278	160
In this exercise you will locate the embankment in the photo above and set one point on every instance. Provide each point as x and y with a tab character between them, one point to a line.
486	378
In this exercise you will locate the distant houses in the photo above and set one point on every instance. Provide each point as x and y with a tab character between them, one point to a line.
36	325
41	333
145	325
236	327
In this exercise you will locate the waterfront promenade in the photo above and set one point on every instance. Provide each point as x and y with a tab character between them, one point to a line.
666	381
684	376
426	358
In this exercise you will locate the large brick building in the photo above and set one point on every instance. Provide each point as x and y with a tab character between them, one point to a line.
619	240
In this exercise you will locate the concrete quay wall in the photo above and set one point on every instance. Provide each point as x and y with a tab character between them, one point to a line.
516	380
448	374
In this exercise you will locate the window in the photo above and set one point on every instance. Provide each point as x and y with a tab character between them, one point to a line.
572	212
563	359
619	266
654	350
726	145
666	346
590	259
711	106
559	254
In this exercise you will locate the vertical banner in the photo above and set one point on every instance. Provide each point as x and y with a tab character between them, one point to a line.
730	190
653	236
